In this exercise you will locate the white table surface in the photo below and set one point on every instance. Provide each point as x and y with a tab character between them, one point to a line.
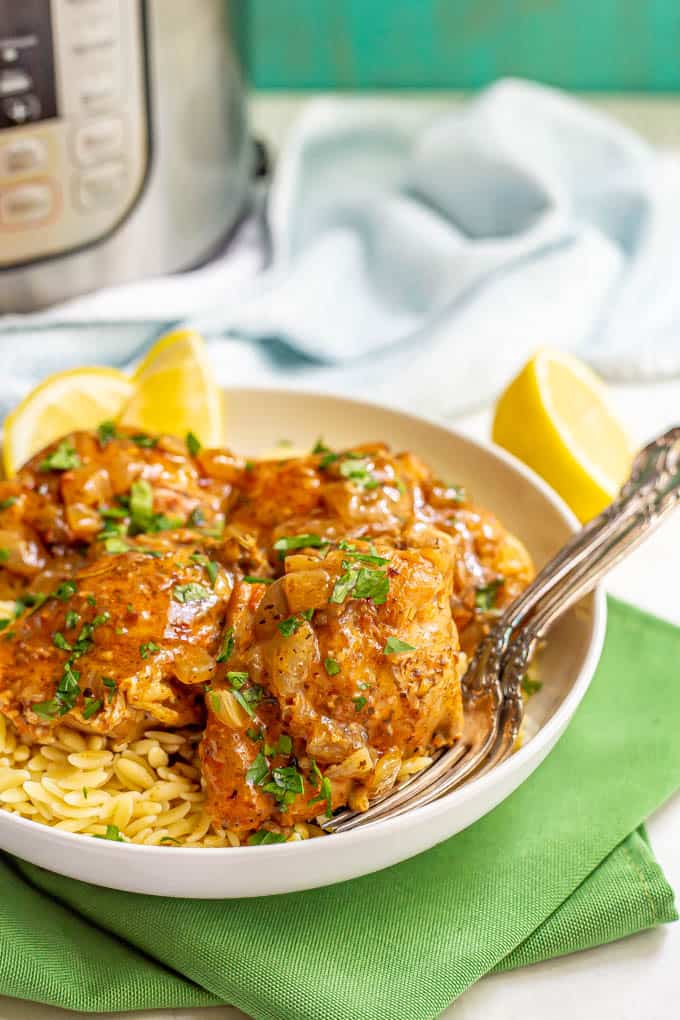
636	978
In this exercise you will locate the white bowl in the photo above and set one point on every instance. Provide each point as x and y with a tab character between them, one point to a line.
256	420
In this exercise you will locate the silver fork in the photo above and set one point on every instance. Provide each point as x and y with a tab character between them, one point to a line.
492	697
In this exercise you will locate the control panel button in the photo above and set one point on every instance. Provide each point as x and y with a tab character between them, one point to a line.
100	187
98	91
26	204
23	155
99	141
14	80
21	109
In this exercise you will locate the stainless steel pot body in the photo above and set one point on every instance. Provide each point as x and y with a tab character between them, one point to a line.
123	143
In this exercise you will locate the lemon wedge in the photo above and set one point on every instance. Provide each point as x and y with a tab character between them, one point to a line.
80	398
555	417
174	391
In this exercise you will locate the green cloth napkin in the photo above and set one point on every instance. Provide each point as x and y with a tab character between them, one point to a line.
561	865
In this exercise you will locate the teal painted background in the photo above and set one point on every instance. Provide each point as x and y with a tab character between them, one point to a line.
353	44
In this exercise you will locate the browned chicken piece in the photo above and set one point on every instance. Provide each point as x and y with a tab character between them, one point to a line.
125	642
71	487
340	670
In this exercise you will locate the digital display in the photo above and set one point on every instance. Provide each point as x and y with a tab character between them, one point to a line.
27	84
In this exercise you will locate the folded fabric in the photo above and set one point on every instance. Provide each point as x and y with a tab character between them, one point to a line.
557	867
419	261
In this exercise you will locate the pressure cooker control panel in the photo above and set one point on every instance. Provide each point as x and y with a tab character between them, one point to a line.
74	131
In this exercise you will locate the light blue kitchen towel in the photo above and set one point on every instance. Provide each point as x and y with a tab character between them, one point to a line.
417	260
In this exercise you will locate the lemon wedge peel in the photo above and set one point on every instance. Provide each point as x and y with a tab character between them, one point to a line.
556	417
78	398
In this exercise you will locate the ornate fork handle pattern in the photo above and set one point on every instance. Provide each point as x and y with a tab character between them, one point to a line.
496	670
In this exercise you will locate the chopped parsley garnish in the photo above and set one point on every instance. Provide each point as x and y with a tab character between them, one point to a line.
170	840
65	696
112	833
60	641
145	441
361	583
253	734
485	598
284	745
395	646
227	646
5	504
258	772
290	542
29	600
356	470
148	648
320	446
353	553
331	666
530	686
107	431
372	584
286	783
325	792
4	555
263	837
85	792
72	619
92	705
359	702
110	683
193	444
91	600
4	623
211	567
290	625
248	697
237	680
141	499
113	513
65	590
328	459
64	458
191	592
117	545
252	579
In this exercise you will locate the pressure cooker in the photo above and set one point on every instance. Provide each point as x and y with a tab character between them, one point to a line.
123	145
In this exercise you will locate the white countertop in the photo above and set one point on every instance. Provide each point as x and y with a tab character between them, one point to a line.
636	978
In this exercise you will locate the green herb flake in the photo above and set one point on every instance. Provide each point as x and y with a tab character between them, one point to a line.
4	623
252	579
264	837
71	619
530	686
85	792
395	646
290	625
149	648
248	697
191	592
107	431
196	518
144	441
66	590
5	504
290	542
485	598
4	555
91	707
64	458
357	471
327	460
116	546
112	833
110	683
60	641
91	600
331	666
372	584
343	586
237	680
320	447
258	773
359	702
227	646
324	794
193	444
253	734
